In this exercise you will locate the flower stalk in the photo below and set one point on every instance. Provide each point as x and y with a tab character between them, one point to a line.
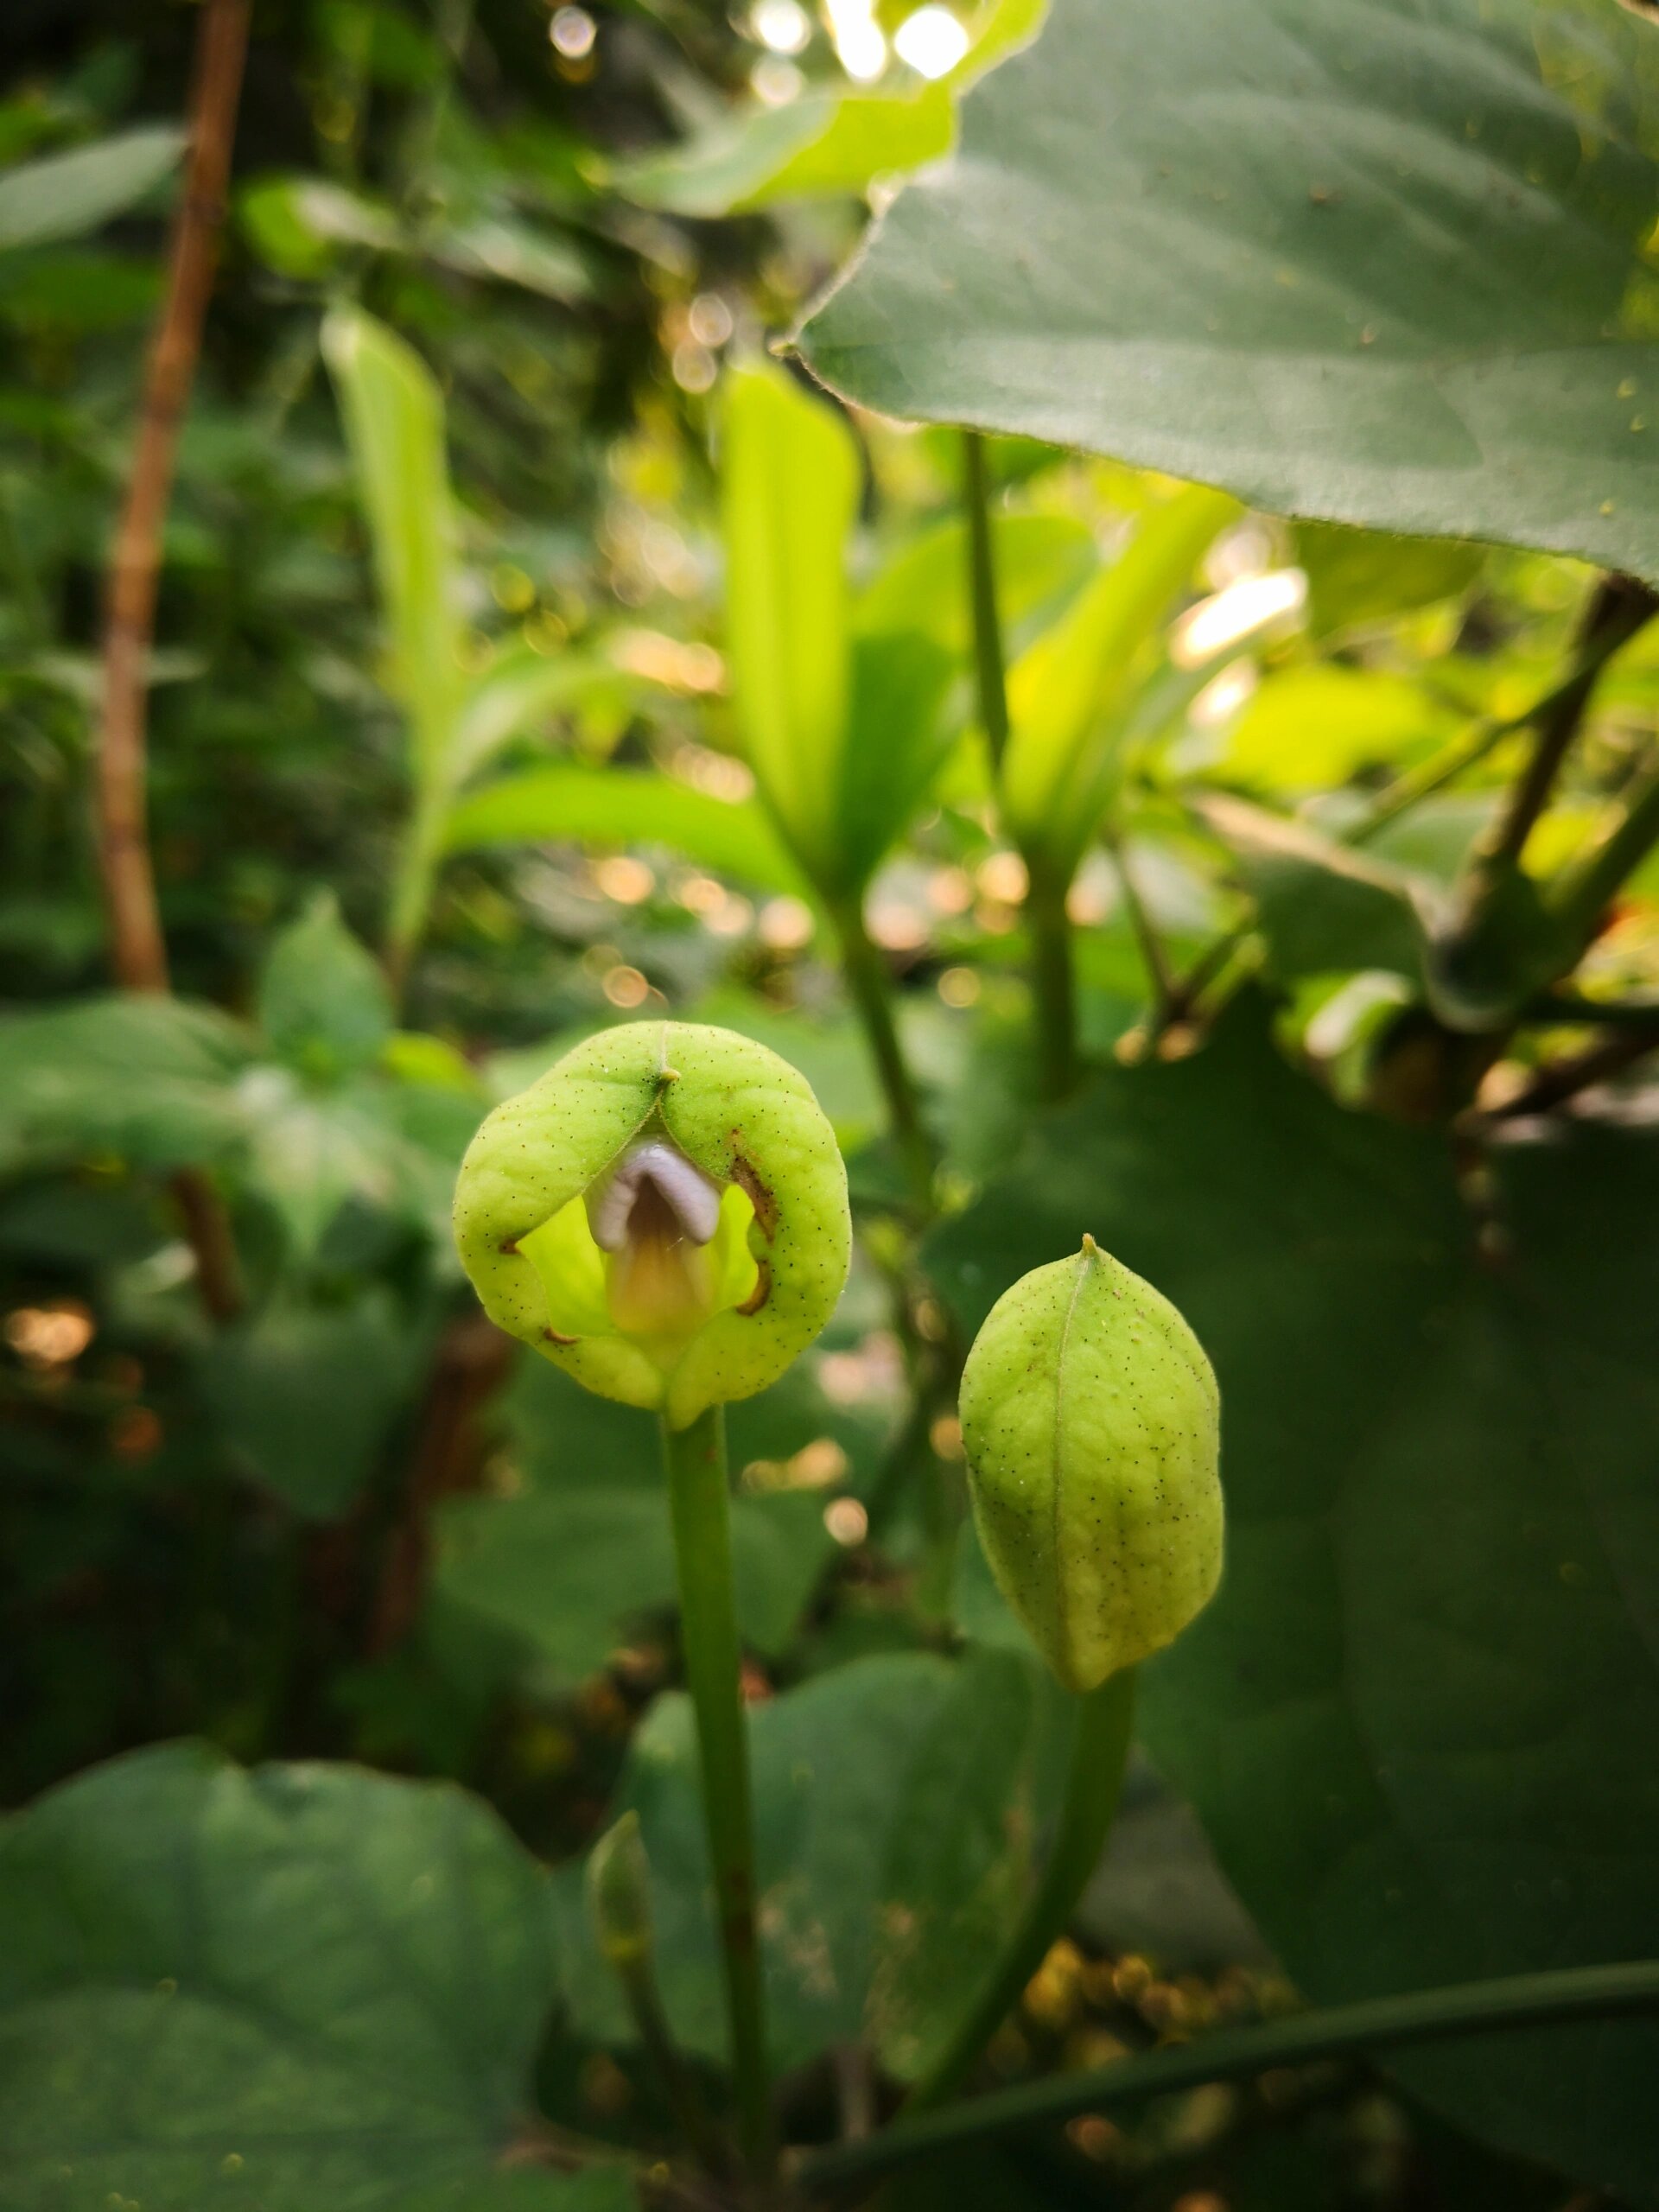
694	1458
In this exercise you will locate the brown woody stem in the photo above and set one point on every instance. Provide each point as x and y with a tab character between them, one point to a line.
138	951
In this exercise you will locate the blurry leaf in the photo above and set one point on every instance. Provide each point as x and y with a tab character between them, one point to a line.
64	194
520	690
494	245
1159	1891
370	36
300	1987
893	1806
294	223
1435	837
77	288
833	1054
1407	1719
584	1552
824	142
323	1003
1376	264
788	488
1359	576
150	1080
897	742
1066	690
313	1150
394	422
1322	908
923	586
1306	728
1492	961
623	806
573	1571
305	1395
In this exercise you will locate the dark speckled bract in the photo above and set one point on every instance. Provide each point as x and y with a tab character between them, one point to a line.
740	1114
1091	1421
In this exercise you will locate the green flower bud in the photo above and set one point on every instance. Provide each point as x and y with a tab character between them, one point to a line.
619	1895
1090	1419
664	1214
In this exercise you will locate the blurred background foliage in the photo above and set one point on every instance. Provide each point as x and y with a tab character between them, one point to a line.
466	738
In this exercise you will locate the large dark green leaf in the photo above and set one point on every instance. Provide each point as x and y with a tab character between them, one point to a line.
1374	261
1417	1721
893	1815
302	1986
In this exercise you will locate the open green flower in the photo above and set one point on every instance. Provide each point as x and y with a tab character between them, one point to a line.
1090	1419
664	1214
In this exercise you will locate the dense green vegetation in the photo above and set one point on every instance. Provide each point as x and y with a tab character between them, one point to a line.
993	685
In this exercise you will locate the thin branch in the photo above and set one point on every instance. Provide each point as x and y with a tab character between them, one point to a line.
1557	1081
1619	607
1100	1745
989	666
1531	2000
1582	894
1166	989
1564	698
871	987
138	951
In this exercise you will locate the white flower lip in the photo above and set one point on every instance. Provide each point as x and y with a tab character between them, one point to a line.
692	1198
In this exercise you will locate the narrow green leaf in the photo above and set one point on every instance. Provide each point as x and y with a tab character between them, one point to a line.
519	690
295	223
1067	692
394	423
514	253
789	489
63	195
621	806
897	739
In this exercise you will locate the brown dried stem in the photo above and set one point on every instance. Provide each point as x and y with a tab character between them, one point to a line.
137	949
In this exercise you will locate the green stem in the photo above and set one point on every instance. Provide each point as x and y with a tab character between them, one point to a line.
868	980
1054	987
1100	1745
411	895
1562	704
1165	986
989	666
1618	608
1583	894
695	1460
678	2083
1531	2000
